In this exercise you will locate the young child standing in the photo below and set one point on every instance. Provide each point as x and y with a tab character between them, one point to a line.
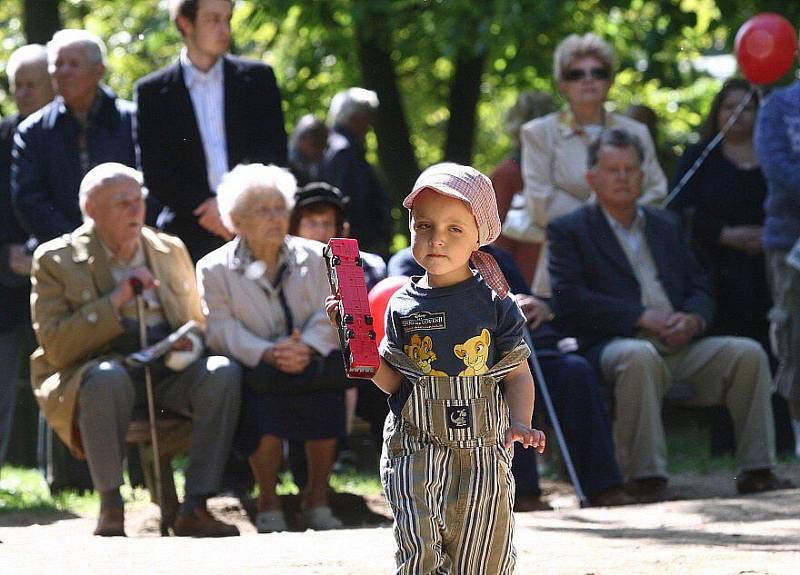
460	391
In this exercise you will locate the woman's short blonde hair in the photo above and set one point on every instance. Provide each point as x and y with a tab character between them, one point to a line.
574	47
245	182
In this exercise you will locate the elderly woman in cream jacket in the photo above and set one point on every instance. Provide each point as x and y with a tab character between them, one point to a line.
263	293
554	147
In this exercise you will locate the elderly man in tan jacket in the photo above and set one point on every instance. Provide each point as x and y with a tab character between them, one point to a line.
85	318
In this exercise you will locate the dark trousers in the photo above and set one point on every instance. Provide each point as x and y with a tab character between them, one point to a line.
575	391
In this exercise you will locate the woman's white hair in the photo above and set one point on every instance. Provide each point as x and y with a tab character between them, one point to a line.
242	183
92	45
574	47
100	176
352	102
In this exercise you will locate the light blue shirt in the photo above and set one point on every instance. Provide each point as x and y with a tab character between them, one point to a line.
207	90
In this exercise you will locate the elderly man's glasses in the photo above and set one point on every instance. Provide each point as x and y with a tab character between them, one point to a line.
576	74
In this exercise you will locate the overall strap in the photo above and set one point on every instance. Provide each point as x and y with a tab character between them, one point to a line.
402	363
509	362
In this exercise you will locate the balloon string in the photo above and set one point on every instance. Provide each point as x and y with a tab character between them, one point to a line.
708	149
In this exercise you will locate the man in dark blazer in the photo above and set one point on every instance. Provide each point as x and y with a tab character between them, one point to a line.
351	116
628	287
31	87
85	125
201	116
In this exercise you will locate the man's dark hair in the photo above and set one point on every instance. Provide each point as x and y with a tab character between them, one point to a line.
310	125
185	8
616	138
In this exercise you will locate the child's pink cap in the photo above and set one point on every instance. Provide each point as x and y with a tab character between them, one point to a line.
467	184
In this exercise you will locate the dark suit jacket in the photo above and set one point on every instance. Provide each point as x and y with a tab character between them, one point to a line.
595	290
345	166
46	172
171	150
14	289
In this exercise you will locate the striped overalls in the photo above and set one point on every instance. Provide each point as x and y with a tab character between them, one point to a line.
447	475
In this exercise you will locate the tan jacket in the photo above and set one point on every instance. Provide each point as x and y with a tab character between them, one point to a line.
554	166
75	322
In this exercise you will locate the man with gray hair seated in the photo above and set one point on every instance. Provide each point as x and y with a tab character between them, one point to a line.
627	285
352	113
31	89
85	317
84	126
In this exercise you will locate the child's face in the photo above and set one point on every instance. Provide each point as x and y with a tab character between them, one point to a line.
443	235
320	226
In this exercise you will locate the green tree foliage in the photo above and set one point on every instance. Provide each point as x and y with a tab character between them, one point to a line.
446	70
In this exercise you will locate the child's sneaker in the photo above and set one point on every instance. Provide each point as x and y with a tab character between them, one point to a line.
270	522
321	518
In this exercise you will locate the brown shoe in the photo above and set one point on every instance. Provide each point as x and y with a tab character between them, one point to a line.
526	503
111	523
759	481
649	489
202	524
613	497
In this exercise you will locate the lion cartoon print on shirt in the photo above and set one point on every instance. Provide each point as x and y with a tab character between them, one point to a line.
420	351
475	353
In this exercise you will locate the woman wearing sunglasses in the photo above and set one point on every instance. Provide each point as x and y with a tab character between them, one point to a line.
554	147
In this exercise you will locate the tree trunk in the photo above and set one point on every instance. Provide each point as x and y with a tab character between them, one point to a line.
465	91
396	153
41	19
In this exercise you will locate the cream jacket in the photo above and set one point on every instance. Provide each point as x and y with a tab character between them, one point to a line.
554	165
245	317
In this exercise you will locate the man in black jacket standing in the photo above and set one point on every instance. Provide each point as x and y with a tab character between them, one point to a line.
344	166
55	147
202	115
31	88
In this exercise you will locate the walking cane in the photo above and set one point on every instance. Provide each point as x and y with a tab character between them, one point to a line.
551	411
137	286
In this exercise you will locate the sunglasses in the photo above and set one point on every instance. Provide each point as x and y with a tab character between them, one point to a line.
576	74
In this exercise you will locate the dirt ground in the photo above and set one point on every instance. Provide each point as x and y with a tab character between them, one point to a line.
707	530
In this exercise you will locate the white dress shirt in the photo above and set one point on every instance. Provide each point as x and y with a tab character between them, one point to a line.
207	90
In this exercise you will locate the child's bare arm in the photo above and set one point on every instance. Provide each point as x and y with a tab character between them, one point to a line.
386	378
519	394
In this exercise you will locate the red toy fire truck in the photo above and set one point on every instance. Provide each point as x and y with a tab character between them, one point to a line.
356	334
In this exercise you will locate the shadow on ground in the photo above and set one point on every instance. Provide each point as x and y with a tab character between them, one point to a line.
34	517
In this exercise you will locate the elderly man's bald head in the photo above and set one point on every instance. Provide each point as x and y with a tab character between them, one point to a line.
112	196
101	177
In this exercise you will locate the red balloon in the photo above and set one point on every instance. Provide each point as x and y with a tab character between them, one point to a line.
378	299
765	47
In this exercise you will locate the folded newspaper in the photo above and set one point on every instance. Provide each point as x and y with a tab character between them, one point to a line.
153	352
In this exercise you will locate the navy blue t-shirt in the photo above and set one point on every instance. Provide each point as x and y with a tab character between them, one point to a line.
462	329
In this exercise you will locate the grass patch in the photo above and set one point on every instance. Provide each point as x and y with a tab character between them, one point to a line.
25	490
688	440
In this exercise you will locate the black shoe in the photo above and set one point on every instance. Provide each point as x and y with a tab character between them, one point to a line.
759	481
